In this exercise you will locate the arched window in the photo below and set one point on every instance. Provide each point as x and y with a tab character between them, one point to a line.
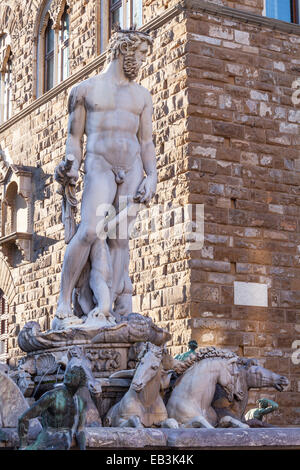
3	327
52	65
49	57
126	13
64	45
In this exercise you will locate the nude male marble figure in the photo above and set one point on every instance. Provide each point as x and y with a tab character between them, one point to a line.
115	113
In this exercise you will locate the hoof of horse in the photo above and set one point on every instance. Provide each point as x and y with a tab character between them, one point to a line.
229	422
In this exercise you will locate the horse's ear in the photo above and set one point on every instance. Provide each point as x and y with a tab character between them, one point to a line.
123	374
253	362
232	360
250	362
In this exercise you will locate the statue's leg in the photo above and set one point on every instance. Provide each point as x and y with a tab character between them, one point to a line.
99	188
100	281
198	422
132	422
119	247
230	422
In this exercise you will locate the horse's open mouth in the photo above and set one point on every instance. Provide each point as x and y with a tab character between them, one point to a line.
279	387
281	384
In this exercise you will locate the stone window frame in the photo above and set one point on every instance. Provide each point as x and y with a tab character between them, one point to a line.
102	28
295	11
4	315
6	83
49	56
103	20
127	6
63	46
50	10
16	228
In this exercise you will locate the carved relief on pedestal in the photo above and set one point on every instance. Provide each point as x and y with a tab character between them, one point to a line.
104	359
15	222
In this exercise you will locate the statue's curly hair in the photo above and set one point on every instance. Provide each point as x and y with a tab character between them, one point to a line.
131	39
78	370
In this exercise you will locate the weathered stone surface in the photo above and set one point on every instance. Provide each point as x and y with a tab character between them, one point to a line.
12	403
235	438
119	438
130	438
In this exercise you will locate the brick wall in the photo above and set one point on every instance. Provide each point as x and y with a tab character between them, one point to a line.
243	134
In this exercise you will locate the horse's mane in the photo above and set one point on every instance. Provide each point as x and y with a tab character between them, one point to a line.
146	347
202	353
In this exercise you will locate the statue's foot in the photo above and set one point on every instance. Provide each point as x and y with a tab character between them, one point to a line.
96	318
64	323
111	319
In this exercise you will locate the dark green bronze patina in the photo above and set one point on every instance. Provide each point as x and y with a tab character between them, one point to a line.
193	345
3	436
265	406
62	413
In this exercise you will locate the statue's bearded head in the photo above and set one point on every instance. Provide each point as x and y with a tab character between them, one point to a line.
133	46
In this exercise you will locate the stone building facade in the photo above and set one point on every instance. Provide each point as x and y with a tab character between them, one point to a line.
223	78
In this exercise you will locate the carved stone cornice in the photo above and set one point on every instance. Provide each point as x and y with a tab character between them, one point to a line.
56	10
22	240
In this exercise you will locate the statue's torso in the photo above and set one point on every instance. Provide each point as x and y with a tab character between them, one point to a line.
112	121
61	413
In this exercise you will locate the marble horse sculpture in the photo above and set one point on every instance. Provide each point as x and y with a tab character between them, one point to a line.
142	405
251	375
193	392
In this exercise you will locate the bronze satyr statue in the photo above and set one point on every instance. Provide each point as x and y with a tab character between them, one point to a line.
254	417
62	413
193	345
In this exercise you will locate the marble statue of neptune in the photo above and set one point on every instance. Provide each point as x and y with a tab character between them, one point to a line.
115	114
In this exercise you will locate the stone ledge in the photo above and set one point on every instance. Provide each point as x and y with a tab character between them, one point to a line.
193	439
274	438
122	438
126	438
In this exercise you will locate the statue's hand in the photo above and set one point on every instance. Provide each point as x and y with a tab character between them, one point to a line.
63	175
146	189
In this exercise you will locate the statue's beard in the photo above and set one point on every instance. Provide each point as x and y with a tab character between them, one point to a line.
130	66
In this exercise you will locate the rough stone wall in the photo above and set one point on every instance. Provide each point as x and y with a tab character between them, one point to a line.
243	133
253	6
